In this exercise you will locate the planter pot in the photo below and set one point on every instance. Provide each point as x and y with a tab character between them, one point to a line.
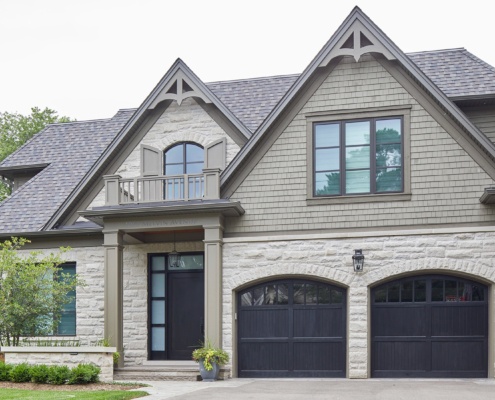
209	376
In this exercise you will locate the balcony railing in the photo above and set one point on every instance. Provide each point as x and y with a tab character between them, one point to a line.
164	188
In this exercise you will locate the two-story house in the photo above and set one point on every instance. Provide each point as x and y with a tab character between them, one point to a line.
240	212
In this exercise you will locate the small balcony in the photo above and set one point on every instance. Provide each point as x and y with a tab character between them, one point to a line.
162	188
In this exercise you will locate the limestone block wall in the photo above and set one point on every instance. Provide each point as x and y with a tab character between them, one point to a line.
329	258
185	123
69	356
90	265
136	296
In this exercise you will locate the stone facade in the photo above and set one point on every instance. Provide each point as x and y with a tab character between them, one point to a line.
470	254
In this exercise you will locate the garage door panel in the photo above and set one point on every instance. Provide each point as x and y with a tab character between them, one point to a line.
458	356
407	321
261	323
292	328
429	326
400	355
264	356
318	322
314	356
463	320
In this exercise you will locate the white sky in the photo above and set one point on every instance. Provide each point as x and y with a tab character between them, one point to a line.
88	58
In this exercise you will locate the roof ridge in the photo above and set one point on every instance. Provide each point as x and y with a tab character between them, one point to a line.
254	79
89	121
85	121
436	51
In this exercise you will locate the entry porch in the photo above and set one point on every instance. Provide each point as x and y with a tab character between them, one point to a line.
154	305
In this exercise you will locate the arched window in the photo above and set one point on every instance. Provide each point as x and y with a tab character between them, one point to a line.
184	158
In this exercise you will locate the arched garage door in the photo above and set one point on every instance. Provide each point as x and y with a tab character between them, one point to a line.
292	328
429	326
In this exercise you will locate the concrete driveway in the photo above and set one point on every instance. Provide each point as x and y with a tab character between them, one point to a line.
328	389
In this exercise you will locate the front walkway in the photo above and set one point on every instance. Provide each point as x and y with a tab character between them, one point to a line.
327	389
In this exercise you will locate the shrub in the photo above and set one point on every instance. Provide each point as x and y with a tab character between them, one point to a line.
39	373
58	374
20	373
84	373
5	372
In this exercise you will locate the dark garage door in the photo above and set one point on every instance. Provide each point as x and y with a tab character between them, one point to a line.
292	328
429	326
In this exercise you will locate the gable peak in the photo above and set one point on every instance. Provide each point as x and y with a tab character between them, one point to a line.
357	35
179	86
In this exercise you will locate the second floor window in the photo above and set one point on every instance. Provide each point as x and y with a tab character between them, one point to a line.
184	158
358	157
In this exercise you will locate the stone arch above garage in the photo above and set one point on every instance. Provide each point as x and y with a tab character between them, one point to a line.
280	270
484	270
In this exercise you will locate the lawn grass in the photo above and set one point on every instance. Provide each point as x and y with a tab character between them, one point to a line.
13	394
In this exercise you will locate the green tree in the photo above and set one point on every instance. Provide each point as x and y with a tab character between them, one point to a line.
33	291
17	129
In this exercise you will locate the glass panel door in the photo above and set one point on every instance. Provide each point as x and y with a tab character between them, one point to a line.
176	306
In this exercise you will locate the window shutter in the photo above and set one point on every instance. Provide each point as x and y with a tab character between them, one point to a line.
151	161
215	154
151	165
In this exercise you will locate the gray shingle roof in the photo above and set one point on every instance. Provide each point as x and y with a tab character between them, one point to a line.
252	99
71	149
457	72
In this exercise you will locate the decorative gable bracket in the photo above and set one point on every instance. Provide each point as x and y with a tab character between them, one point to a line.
179	88
357	41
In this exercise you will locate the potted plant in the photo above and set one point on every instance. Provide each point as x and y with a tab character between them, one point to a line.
210	360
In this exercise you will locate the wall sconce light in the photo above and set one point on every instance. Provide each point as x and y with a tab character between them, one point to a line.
358	260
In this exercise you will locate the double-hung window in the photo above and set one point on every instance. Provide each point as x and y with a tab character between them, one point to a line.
358	156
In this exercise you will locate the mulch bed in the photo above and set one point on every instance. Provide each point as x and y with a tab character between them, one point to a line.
88	387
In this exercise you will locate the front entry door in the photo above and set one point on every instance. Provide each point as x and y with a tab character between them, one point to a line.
176	306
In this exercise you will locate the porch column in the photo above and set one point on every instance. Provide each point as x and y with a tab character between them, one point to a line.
114	290
213	283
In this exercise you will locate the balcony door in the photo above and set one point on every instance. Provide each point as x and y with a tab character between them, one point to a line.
180	159
176	306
